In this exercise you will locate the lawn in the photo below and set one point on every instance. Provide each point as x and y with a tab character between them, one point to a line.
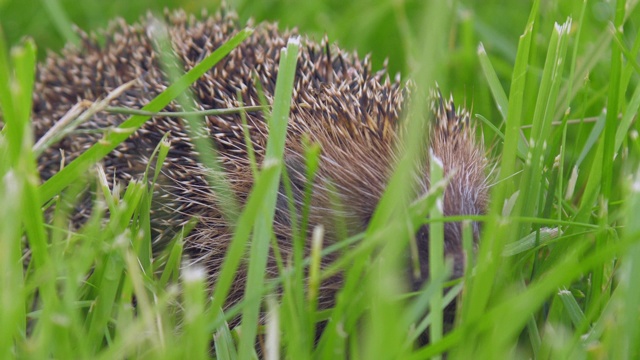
554	90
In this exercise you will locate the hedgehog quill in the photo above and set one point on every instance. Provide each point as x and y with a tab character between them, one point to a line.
350	112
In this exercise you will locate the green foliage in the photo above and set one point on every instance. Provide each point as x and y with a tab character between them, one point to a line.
556	86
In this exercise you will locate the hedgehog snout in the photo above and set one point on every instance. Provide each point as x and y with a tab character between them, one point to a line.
453	254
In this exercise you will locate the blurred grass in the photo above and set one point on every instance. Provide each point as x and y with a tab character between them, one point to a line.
368	26
565	290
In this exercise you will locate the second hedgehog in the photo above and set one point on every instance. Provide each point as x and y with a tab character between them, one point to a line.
338	103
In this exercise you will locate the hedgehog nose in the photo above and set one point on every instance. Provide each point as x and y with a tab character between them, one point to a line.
459	262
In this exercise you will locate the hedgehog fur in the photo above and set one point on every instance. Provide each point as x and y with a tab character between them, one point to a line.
338	103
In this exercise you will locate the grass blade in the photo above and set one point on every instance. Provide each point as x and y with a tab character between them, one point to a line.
263	227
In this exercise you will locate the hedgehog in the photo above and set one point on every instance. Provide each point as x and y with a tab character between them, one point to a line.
339	103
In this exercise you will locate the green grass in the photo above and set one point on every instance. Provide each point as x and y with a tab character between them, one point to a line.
556	86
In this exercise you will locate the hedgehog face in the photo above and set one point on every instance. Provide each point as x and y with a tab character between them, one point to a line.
453	253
